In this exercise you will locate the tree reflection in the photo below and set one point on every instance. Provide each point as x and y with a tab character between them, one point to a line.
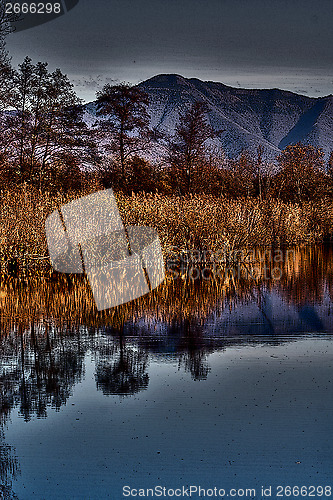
39	370
195	362
9	466
122	371
9	470
193	352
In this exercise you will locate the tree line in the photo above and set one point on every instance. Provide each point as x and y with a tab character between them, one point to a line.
45	141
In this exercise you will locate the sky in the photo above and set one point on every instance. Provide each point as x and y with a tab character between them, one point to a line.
285	44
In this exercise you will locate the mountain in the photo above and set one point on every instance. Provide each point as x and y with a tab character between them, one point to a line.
272	118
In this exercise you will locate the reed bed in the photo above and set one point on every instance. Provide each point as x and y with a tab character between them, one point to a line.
197	222
193	222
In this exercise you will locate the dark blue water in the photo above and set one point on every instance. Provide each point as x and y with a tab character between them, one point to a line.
263	416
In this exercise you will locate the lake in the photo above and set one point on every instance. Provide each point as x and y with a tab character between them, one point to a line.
216	387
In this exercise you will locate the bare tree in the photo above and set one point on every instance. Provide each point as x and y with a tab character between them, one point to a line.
126	120
187	147
45	125
302	173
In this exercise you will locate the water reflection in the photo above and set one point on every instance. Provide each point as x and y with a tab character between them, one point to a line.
49	325
9	467
120	369
39	365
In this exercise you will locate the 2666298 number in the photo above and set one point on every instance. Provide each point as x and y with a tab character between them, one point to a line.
33	8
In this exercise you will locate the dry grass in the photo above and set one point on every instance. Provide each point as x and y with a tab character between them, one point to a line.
213	223
23	212
191	222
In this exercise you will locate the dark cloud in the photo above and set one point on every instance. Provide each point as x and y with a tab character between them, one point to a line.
210	39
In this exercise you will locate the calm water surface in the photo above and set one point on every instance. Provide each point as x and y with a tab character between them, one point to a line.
199	384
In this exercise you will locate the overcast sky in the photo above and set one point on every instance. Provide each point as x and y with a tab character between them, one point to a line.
245	43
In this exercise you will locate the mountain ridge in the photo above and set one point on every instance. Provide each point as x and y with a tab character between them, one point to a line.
271	118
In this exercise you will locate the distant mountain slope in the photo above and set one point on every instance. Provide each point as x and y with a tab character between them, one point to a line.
272	118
